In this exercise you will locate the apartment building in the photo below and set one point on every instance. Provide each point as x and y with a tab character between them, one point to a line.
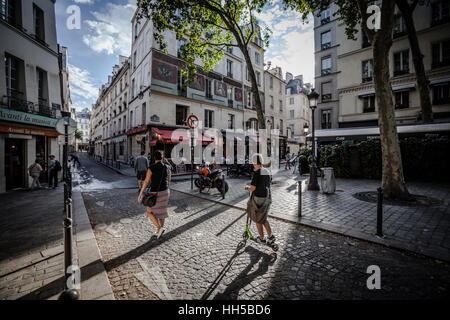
297	113
326	44
96	129
159	102
30	89
113	103
82	119
358	105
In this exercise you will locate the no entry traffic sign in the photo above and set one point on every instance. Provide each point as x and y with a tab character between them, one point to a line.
192	121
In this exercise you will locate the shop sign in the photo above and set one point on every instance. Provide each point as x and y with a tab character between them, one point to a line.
28	118
373	137
340	138
33	132
154	118
136	130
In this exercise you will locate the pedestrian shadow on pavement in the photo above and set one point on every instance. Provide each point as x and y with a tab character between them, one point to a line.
245	277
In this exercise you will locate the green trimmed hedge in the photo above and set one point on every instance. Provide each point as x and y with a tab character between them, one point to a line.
424	159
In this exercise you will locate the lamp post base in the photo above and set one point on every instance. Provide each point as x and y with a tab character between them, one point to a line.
313	184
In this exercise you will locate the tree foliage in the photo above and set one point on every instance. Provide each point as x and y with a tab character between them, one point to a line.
78	135
208	28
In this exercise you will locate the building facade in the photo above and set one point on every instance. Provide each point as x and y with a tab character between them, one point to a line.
326	45
83	122
298	113
30	90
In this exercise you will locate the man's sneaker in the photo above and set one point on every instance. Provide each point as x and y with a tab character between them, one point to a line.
259	240
160	233
271	239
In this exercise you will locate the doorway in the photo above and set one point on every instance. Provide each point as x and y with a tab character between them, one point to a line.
15	163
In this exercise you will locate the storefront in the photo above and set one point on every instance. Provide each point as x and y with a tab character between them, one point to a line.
21	143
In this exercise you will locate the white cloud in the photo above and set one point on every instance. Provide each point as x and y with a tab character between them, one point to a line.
111	31
81	84
84	1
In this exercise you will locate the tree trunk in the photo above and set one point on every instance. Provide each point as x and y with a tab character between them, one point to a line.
422	81
393	181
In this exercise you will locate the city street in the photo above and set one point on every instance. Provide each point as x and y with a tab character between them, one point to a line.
201	255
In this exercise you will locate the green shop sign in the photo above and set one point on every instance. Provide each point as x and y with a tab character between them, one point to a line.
28	118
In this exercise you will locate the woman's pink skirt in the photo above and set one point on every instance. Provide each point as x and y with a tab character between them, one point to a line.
159	210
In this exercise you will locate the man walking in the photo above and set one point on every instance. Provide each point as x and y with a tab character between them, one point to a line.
53	170
35	171
140	168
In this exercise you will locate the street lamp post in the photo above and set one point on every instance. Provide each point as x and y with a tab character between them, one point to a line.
313	184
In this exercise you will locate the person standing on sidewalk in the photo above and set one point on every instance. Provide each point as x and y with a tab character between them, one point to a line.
35	171
259	203
158	176
140	168
53	171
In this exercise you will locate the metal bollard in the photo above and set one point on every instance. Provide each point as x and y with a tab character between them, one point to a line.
380	212
299	212
223	186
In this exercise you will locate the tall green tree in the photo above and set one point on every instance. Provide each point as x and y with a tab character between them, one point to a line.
78	135
208	28
354	14
407	8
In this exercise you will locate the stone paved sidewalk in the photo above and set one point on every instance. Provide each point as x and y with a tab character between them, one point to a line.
424	230
32	247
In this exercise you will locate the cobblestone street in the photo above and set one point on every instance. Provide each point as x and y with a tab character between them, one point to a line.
418	229
201	257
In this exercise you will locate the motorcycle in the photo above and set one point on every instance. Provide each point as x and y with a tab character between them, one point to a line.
208	179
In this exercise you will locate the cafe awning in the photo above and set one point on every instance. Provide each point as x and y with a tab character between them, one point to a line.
176	136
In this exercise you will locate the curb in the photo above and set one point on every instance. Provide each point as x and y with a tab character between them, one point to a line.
96	287
305	222
116	170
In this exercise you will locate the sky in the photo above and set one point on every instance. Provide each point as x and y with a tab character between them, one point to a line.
105	33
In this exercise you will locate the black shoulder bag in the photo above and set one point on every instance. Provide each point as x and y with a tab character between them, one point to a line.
148	198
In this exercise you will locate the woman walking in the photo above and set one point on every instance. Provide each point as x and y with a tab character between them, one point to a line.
158	175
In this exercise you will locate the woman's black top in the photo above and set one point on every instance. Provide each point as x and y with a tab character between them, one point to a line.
261	182
160	177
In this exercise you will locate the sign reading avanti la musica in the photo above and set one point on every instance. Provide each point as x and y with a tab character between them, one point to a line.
28	118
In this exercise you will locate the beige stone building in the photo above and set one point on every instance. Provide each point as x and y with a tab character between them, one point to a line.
357	105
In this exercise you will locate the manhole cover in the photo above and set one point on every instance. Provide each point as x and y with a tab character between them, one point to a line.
419	201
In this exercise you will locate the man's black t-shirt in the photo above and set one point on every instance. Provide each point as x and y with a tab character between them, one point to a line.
261	182
158	170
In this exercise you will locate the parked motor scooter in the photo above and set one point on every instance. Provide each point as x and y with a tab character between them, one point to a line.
208	179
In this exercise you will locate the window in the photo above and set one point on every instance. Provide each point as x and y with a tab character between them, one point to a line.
281	105
134	61
209	118
258	78
230	121
440	12
326	91
230	97
247	74
399	28
41	77
281	126
401	99
132	88
271	83
271	102
326	65
135	30
181	115
257	57
10	11
401	63
288	91
291	100
13	66
441	94
272	123
367	70
292	130
325	16
230	68
440	55
365	41
38	20
369	103
180	43
281	88
144	113
208	89
326	119
326	40
131	119
291	114
249	99
230	49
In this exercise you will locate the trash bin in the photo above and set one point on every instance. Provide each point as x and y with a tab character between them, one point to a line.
328	181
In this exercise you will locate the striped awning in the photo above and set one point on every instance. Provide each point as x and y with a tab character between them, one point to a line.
404	87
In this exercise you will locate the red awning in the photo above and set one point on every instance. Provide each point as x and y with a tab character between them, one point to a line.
181	136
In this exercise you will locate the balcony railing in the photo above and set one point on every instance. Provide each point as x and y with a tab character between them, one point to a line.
326	45
326	97
401	106
230	103
367	79
325	20
18	104
230	75
326	71
439	64
371	109
209	96
401	72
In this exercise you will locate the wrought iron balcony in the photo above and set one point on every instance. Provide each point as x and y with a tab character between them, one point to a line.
230	103
16	102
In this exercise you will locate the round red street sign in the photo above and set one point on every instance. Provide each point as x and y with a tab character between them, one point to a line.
192	121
